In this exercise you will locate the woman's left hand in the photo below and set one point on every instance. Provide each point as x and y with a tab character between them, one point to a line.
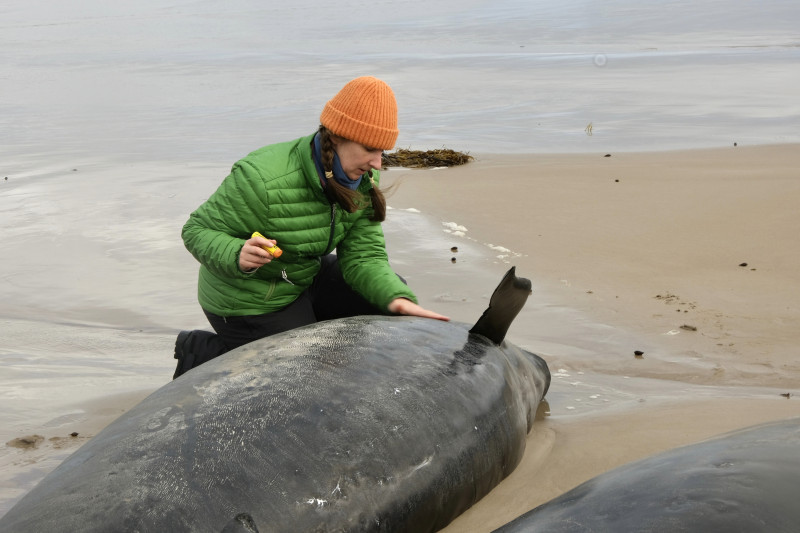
402	306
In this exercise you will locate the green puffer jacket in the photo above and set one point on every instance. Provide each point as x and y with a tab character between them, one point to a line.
275	191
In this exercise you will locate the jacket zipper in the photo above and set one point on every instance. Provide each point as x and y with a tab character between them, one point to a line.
333	228
285	276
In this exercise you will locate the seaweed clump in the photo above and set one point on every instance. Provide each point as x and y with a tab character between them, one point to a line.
425	158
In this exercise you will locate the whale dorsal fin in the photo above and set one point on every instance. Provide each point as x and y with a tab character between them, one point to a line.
504	305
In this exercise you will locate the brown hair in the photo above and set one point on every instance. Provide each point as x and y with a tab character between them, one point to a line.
349	199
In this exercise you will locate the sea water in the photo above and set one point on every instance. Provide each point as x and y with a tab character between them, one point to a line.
183	80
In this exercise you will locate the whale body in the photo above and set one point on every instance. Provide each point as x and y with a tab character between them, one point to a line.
748	480
371	423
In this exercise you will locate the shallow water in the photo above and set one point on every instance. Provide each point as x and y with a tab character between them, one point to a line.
186	81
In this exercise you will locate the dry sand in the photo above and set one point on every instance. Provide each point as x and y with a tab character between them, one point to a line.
652	245
636	251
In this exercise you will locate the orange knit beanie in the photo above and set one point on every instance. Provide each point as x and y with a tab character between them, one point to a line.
364	111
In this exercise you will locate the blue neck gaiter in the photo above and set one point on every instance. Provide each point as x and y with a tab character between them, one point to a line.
338	172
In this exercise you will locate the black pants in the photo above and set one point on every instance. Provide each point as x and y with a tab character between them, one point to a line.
328	297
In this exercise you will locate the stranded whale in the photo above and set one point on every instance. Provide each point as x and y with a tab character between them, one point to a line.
743	481
360	424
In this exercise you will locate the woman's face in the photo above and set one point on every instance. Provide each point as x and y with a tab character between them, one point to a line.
356	159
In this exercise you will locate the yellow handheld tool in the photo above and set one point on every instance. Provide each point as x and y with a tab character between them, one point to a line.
275	251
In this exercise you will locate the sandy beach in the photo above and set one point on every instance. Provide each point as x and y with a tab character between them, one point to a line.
687	256
649	243
626	252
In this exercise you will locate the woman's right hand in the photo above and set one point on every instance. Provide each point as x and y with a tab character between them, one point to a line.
253	254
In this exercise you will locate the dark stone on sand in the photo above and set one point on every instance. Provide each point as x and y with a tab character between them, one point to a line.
73	434
452	259
687	327
607	155
454	249
638	353
742	264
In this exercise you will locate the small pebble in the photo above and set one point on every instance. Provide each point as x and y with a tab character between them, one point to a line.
452	259
638	353
454	249
742	264
607	155
73	434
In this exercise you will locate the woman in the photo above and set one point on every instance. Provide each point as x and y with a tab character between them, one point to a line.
309	196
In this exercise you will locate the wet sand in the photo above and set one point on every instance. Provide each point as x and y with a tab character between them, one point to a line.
632	252
688	257
649	243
